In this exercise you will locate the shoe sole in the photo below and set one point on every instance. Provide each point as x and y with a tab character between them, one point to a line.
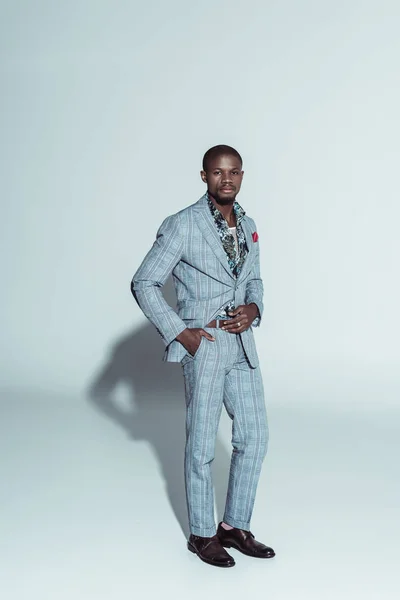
209	562
246	553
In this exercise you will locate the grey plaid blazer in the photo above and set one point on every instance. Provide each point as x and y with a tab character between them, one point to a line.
188	246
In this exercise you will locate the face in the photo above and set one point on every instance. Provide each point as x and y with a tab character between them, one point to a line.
223	178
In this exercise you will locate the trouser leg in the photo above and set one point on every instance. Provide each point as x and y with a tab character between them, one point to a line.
204	388
244	402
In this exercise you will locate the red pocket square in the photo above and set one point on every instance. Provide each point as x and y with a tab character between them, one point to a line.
255	236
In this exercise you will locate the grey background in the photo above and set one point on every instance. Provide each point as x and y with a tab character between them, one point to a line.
106	109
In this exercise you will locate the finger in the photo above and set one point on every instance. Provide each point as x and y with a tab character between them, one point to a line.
243	326
239	319
236	311
236	325
207	335
237	330
234	320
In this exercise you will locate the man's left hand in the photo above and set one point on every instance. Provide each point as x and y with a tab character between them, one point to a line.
243	316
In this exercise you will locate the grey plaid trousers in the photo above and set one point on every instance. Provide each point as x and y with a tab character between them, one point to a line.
219	374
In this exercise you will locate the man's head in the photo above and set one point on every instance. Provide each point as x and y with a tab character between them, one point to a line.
222	172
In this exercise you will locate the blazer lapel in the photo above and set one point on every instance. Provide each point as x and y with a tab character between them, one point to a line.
207	226
248	263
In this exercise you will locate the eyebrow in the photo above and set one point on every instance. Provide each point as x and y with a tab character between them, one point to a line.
231	169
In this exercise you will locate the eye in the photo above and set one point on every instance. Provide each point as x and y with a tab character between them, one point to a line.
235	172
217	173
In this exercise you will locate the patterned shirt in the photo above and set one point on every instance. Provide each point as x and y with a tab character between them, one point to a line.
235	258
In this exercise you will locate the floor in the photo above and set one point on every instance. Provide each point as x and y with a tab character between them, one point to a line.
93	504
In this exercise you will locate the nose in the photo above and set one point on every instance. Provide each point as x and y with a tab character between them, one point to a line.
226	178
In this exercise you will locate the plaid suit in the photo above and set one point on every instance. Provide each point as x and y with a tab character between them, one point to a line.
222	372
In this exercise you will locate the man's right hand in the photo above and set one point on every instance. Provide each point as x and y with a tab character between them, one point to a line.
190	338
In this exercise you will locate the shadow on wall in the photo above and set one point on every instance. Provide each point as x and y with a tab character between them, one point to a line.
157	411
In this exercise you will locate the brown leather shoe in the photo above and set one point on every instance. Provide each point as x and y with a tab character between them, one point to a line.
210	550
244	542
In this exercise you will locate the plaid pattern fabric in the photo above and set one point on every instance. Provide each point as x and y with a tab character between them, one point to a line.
224	372
188	245
219	375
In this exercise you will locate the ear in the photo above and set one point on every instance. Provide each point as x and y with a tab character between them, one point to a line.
203	175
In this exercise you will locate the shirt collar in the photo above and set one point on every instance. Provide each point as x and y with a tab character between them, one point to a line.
219	217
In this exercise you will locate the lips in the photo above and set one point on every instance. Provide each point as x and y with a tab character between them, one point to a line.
227	189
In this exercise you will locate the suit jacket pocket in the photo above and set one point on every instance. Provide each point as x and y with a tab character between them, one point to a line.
193	356
198	348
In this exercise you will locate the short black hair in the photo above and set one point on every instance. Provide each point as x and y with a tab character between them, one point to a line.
221	150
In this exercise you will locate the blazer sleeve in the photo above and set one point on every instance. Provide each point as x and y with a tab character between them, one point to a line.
254	286
152	274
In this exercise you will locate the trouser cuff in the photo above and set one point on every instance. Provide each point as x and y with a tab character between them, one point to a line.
203	531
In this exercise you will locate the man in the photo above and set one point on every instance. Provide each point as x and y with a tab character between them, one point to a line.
211	248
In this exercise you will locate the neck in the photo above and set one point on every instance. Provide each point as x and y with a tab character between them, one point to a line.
226	211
